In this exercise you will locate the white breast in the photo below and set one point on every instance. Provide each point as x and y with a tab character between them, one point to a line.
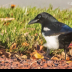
52	41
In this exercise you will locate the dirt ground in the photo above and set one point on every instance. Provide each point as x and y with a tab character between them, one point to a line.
14	63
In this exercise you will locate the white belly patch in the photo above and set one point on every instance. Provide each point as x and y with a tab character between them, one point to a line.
52	41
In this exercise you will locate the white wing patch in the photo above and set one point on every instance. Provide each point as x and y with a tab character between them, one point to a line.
46	29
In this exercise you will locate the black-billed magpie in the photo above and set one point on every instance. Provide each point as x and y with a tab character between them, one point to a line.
57	34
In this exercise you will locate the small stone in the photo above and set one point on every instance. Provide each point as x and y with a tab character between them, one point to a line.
24	57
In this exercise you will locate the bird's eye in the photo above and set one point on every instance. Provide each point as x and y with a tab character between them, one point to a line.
39	16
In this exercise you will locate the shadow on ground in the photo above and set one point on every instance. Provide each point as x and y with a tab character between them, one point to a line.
3	45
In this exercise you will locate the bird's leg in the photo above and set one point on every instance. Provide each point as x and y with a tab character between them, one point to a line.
48	52
65	53
65	50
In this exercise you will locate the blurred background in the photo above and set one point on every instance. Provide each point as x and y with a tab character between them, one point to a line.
62	4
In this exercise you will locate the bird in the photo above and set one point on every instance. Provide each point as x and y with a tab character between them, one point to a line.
57	34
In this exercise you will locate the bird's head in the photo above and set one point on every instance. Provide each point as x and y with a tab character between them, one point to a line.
43	18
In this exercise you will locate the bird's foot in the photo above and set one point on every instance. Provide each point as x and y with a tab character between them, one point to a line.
47	56
47	53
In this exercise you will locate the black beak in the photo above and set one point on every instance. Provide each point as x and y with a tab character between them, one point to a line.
33	21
